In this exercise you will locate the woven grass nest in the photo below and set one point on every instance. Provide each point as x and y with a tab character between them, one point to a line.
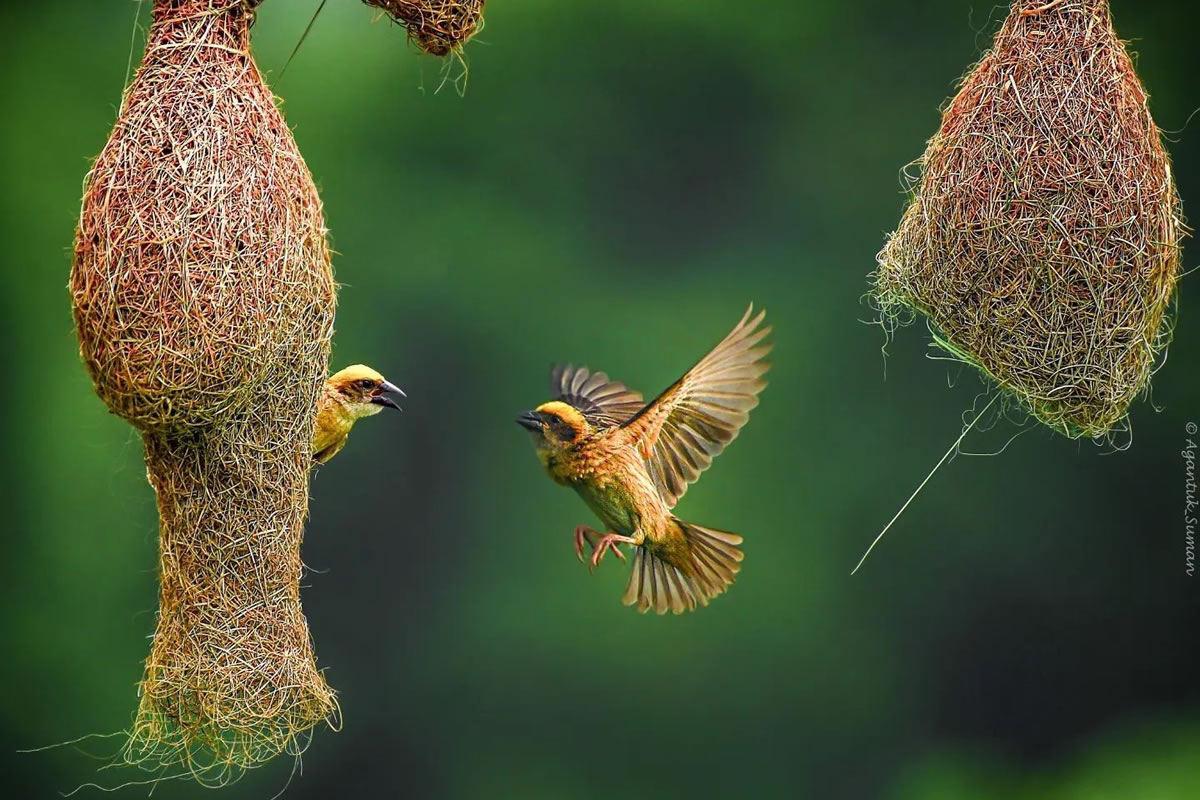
204	305
1043	238
439	27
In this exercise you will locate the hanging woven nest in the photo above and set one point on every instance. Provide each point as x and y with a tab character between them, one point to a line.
439	27
204	305
1043	237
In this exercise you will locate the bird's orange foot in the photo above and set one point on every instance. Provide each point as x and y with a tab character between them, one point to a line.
609	541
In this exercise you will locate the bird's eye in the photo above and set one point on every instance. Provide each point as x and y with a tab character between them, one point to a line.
366	383
559	427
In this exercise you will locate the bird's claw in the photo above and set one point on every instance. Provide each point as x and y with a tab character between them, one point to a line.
600	544
583	533
607	542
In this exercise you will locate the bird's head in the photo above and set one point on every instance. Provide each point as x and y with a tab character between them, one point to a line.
554	426
363	391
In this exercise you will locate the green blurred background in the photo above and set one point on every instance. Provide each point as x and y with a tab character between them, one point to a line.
618	181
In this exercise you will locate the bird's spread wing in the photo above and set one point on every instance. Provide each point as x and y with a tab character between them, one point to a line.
605	403
681	431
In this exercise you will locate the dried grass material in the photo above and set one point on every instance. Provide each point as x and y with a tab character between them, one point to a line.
439	27
204	303
1043	239
231	680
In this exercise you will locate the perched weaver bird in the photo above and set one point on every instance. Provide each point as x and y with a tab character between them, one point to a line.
349	395
631	462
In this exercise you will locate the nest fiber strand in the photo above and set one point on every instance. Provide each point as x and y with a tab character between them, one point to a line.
204	306
439	27
1043	239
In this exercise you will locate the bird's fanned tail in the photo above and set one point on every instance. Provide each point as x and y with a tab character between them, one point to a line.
654	583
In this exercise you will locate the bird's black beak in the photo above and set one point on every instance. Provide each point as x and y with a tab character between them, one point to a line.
530	420
380	397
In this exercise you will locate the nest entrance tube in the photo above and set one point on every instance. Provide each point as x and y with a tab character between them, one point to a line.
1043	238
204	304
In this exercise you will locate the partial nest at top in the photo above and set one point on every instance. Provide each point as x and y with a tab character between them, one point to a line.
439	27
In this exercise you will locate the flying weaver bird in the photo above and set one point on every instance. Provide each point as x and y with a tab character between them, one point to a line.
349	395
631	462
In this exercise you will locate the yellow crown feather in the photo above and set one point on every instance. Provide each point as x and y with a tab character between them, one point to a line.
355	372
567	413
